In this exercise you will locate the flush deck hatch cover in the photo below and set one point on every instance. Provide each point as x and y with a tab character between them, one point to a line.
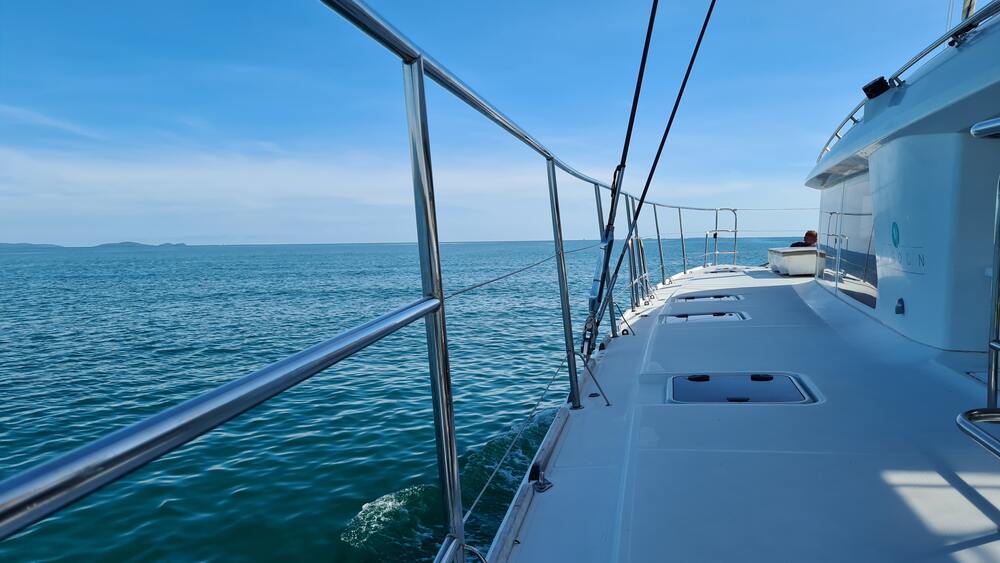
718	317
709	298
739	388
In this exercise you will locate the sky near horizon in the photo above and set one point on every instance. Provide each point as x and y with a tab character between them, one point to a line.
278	122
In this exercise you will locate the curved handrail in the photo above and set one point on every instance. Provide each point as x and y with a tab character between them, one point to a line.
391	38
953	35
365	19
968	420
32	495
988	128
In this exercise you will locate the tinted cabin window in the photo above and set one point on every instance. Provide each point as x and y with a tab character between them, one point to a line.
846	241
857	275
831	200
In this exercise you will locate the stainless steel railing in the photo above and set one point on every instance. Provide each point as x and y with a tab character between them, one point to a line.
714	233
639	283
34	494
969	421
952	37
40	491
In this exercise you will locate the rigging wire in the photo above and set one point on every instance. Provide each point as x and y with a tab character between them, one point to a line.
663	139
638	88
545	392
616	187
619	173
621	315
593	377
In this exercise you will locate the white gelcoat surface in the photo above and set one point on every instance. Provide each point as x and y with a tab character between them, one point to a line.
933	189
875	470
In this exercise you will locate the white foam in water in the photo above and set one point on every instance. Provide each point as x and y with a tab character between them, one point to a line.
401	519
392	519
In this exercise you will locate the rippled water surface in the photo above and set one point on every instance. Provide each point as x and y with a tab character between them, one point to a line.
341	467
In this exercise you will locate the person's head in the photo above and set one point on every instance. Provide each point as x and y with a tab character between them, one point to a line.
810	237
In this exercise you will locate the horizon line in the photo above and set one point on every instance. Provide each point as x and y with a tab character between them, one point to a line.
133	244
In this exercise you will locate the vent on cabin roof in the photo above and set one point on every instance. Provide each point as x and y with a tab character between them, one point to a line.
738	389
720	317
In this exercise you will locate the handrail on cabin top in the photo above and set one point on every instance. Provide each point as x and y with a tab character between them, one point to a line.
953	36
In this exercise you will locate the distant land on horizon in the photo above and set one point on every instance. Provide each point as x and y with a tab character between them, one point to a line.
124	244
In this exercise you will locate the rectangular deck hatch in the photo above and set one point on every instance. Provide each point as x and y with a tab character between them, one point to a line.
721	317
739	388
708	298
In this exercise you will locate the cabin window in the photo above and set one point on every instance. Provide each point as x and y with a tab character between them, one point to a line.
831	201
857	275
846	241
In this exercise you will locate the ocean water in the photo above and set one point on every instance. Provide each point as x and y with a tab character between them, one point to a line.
341	467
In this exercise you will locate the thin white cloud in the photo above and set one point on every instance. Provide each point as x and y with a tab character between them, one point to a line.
195	195
196	177
17	114
258	176
198	196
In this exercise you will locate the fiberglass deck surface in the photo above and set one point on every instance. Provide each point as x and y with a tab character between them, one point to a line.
874	470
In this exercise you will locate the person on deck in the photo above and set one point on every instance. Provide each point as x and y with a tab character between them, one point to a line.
809	239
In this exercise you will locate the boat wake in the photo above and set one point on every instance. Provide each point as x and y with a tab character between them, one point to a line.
407	523
402	523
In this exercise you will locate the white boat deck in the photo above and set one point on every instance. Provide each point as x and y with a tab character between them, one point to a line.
874	470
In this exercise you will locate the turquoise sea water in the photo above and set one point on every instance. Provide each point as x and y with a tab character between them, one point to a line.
341	467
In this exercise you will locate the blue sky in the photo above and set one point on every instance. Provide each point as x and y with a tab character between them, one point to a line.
277	122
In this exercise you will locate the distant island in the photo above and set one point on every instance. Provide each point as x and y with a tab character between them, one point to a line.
124	244
15	245
130	244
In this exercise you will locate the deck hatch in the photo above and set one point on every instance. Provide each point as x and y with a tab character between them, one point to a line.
708	298
717	317
737	388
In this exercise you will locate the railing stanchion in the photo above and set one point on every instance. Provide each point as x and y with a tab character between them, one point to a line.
611	316
643	263
437	342
639	268
633	290
969	421
600	211
736	234
647	291
684	254
715	238
659	244
567	318
600	233
993	347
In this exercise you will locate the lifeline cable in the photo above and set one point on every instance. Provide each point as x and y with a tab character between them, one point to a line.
514	272
510	446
